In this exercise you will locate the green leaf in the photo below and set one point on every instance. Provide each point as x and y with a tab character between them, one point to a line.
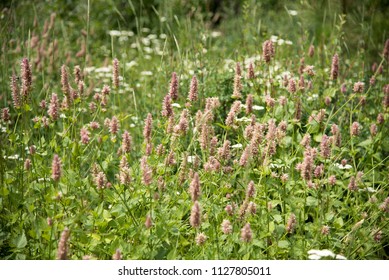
329	216
338	223
365	143
271	227
283	244
278	218
21	241
311	201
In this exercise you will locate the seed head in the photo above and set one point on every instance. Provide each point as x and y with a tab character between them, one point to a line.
114	125
27	164
195	216
332	180
292	86
115	73
270	102
148	222
126	142
385	205
268	50
173	91
380	118
77	74
65	81
291	224
26	77
100	180
56	168
359	87
229	209
355	127
335	67
325	230
147	171
192	96
386	50
325	150
373	129
250	190
201	238
237	83
249	104
62	245
226	227
251	74
84	133
352	186
167	108
117	256
235	109
246	234
147	128
15	92
311	51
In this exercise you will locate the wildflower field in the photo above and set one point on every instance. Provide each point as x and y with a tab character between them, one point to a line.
187	130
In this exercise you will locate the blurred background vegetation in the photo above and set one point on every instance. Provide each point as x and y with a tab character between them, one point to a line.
364	24
357	30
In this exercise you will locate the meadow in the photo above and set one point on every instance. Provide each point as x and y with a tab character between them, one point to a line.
179	130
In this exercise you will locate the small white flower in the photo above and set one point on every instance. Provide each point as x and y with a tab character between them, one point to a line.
318	254
152	36
123	38
114	33
274	165
288	42
176	105
340	257
191	159
215	34
237	146
132	63
146	73
292	12
243	119
146	41
12	157
368	189
314	257
273	38
340	166
103	69
258	108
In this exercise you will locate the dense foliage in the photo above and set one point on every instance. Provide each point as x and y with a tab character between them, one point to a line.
177	130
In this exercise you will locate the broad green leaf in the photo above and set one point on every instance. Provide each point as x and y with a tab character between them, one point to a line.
21	241
283	244
311	201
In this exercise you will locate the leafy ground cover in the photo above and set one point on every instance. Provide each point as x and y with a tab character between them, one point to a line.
180	138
